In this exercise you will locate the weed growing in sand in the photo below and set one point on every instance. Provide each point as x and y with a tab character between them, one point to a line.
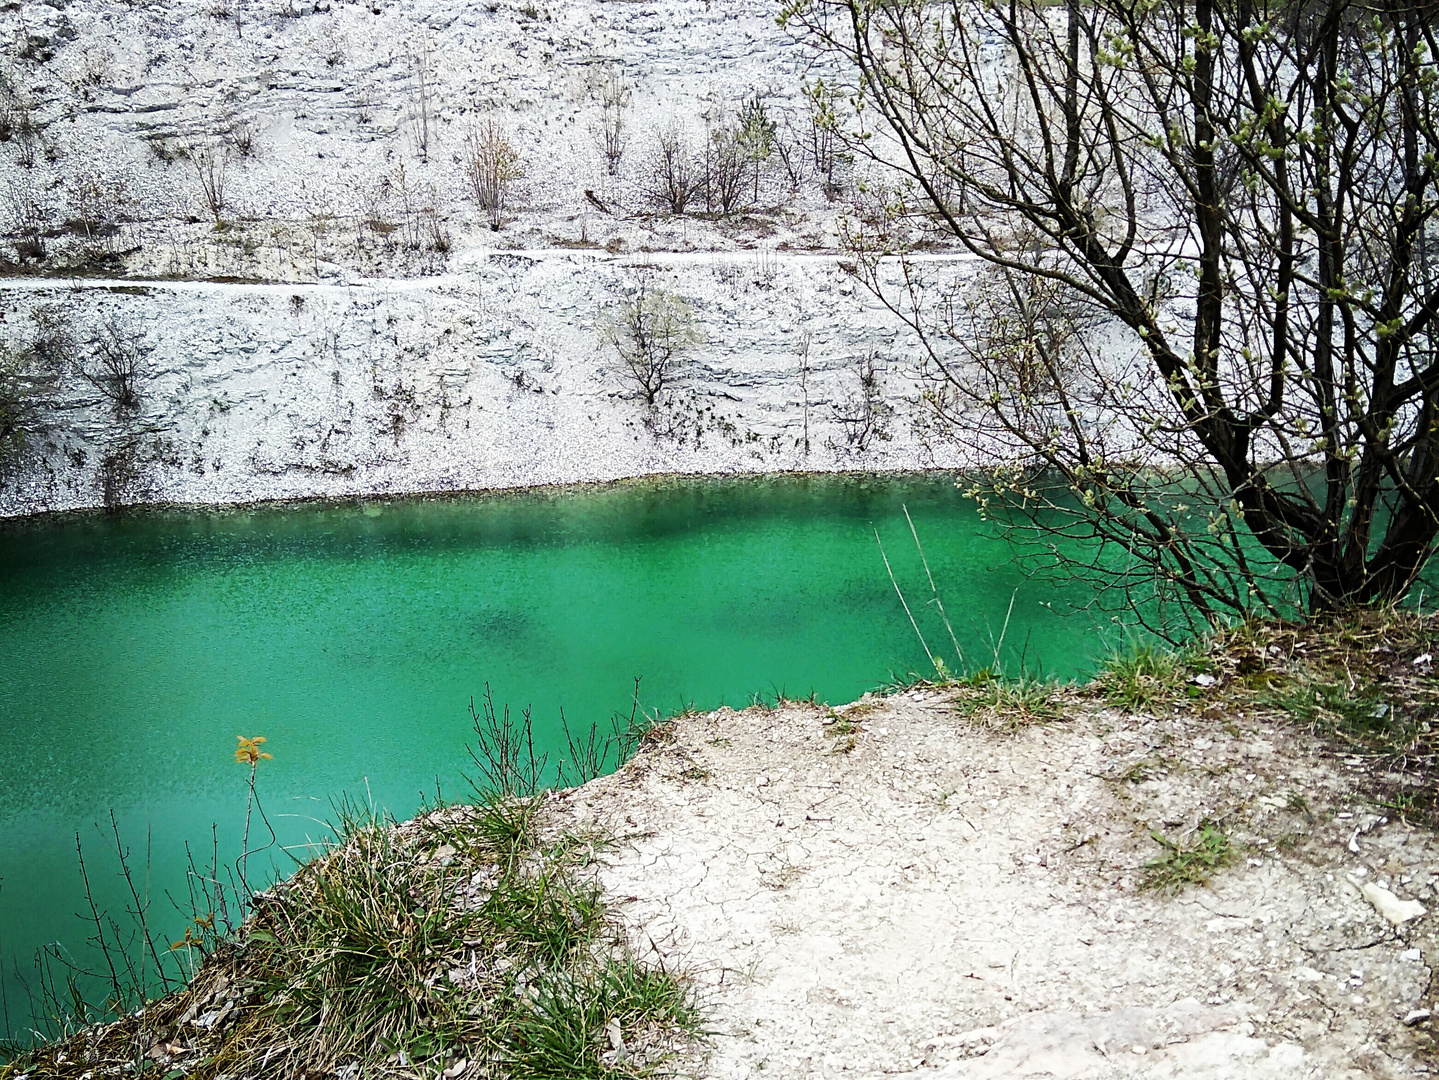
1142	677
1188	862
843	728
557	1035
249	753
1150	768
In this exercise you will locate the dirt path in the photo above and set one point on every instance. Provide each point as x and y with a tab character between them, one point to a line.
938	899
465	264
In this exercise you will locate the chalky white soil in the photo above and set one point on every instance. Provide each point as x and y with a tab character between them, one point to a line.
945	900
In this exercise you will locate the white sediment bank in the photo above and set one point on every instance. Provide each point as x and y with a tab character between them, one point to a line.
926	898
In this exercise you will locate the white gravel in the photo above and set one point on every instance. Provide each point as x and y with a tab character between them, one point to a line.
943	901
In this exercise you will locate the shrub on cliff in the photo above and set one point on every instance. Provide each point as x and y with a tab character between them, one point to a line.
651	331
27	376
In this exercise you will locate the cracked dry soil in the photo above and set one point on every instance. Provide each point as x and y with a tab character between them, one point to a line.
924	897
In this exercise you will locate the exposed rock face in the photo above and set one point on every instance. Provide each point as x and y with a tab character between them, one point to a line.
277	201
491	376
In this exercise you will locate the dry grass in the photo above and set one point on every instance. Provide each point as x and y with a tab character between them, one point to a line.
1365	683
464	943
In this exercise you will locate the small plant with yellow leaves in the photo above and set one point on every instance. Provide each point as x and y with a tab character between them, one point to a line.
249	753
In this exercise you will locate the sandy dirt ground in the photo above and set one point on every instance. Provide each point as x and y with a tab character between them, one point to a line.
925	897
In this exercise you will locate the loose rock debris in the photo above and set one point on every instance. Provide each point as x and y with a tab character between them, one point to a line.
888	890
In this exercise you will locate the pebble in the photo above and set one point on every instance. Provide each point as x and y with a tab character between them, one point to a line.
1395	910
1418	1016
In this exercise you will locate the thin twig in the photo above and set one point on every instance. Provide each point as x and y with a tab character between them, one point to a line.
1004	630
958	652
100	938
902	600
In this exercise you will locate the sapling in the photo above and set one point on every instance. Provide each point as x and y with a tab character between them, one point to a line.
249	753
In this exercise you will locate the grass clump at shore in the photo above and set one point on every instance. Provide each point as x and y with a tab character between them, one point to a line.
990	700
1365	682
459	944
1143	677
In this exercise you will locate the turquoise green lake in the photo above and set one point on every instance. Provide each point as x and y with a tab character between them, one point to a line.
136	648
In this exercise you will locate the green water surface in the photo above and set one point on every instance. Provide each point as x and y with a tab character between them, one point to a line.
134	649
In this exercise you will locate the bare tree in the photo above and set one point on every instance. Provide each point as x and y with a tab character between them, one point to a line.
492	168
727	168
27	216
613	93
19	404
864	414
97	203
119	352
27	137
209	158
1211	312
671	177
651	332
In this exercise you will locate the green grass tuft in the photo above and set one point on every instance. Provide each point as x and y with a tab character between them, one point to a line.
1142	677
1007	704
566	1032
1338	708
1188	862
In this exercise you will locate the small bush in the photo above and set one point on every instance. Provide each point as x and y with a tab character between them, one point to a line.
241	136
28	217
209	159
492	169
650	332
96	203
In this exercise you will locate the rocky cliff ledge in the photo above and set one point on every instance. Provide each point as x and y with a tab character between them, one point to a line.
491	376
